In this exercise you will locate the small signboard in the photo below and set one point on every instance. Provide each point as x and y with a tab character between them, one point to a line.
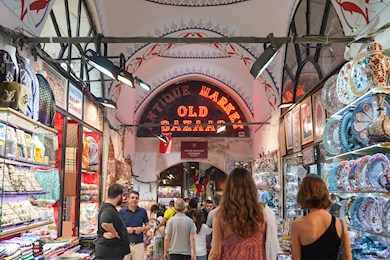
191	150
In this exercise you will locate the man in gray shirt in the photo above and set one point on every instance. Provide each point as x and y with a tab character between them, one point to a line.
179	235
216	200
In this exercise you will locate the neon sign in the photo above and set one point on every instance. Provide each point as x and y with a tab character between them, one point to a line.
192	109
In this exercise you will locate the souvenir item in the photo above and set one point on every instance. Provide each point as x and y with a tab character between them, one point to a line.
354	211
3	131
329	95
369	216
376	166
347	141
386	217
364	113
332	175
378	65
359	78
344	91
359	173
379	128
352	175
11	146
331	136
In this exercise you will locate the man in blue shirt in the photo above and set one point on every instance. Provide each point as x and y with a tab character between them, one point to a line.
137	222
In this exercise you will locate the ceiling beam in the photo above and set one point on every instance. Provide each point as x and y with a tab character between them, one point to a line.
178	40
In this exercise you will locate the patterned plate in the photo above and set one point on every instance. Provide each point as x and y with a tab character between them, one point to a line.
376	166
352	177
358	77
338	177
354	210
364	212
331	136
365	112
331	179
386	217
347	141
359	174
329	95
344	91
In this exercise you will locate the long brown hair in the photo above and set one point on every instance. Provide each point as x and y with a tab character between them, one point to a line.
240	208
198	220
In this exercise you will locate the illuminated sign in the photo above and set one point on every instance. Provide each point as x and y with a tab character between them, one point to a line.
192	108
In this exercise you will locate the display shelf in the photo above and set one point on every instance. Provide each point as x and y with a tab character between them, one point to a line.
21	162
384	193
22	121
20	228
266	173
88	171
354	103
369	150
19	193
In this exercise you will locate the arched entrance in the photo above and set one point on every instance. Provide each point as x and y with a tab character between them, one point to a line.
190	180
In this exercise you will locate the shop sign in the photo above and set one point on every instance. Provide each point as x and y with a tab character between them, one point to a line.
193	108
75	101
191	150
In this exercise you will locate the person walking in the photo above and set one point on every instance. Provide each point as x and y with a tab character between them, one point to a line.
210	217
207	208
168	214
242	222
112	241
202	230
179	242
137	222
317	235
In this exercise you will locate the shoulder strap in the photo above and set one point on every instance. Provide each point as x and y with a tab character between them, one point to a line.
339	255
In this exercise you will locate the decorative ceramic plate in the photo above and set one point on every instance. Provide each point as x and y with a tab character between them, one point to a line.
344	91
348	210
386	217
364	212
365	112
354	211
331	179
329	95
358	77
376	166
331	136
338	177
352	176
344	174
347	141
359	174
343	211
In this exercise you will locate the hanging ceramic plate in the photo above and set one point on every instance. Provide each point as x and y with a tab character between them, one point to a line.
344	174
329	95
352	177
347	141
376	166
343	209
344	91
358	77
331	179
331	136
364	212
338	177
364	113
348	210
386	217
354	211
359	174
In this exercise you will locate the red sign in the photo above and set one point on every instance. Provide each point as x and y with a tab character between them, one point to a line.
193	150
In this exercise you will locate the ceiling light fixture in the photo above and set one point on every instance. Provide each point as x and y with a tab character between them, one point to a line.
285	105
267	56
142	83
101	63
162	138
106	102
126	78
221	129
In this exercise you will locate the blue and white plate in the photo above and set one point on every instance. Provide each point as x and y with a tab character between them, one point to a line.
331	136
378	165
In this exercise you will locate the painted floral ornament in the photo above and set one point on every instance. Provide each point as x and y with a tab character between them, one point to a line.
378	65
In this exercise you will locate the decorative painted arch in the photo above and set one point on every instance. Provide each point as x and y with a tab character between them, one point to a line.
246	53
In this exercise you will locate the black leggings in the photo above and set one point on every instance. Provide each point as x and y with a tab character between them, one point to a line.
179	257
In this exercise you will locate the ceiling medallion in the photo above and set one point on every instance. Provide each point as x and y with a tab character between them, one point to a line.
196	3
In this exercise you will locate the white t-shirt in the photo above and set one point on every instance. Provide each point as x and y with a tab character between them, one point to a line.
200	240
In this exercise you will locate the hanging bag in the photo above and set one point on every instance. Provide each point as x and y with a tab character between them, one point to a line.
341	247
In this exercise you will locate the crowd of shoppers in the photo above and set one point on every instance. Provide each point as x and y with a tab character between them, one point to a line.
239	225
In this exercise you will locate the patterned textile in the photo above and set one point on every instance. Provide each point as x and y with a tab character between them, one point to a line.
46	102
7	67
28	78
50	182
235	247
